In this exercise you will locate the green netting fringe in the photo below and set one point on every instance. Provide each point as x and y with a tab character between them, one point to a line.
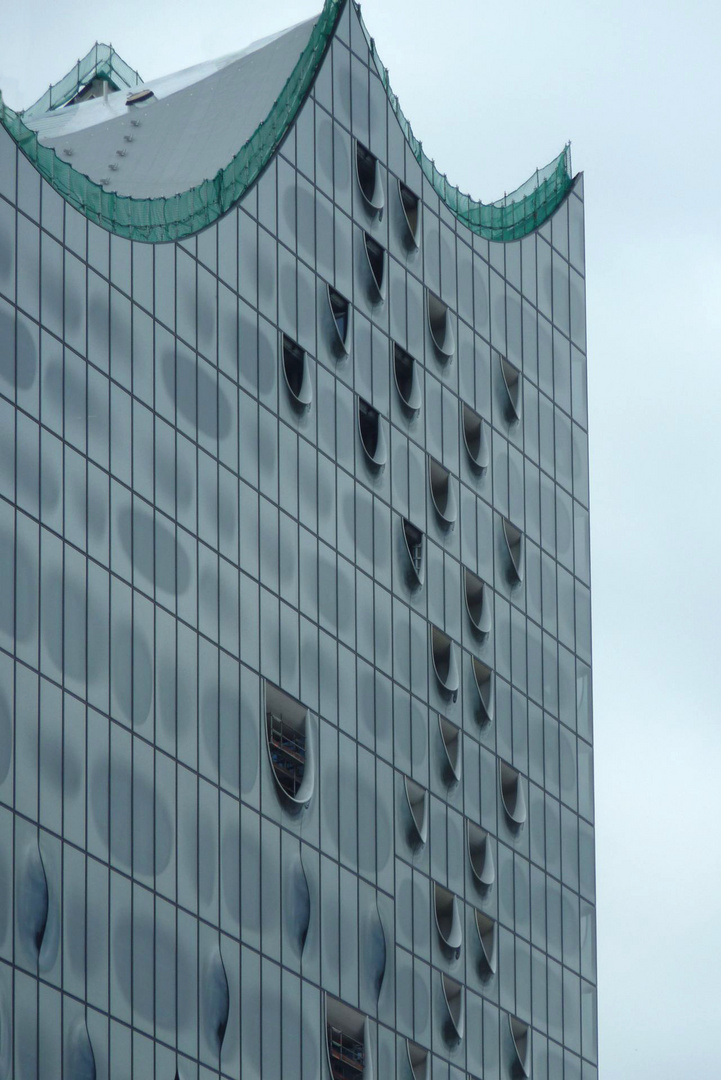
178	216
102	62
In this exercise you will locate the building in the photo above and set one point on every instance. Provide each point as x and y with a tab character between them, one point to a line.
295	724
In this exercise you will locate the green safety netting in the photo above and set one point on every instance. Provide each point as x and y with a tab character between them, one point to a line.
102	62
177	216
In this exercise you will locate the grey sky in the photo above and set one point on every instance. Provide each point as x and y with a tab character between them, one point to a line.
494	92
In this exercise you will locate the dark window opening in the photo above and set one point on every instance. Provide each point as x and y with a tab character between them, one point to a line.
439	323
347	1055
512	796
414	545
295	369
442	493
404	368
476	443
444	662
287	753
512	383
340	310
377	262
514	546
369	180
371	433
410	203
480	854
452	749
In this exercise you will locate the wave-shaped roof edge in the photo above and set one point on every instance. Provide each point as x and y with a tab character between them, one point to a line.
157	220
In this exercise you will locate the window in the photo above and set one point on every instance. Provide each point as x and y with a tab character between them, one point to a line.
372	435
478	605
480	855
483	677
439	323
520	1048
442	494
346	1040
512	796
451	743
514	548
290	748
410	206
475	440
443	654
413	542
340	313
404	371
486	929
297	377
417	832
376	259
448	921
369	180
512	383
453	997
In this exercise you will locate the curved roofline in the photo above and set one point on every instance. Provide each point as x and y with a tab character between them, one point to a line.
157	220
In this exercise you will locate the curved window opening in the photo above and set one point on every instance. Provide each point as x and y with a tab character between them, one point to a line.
442	493
486	928
418	1060
297	376
404	370
521	1048
216	1000
480	855
290	748
340	310
453	996
478	605
372	435
347	1042
443	655
376	258
413	540
483	676
410	204
450	738
512	383
34	899
475	440
514	547
417	832
369	179
439	322
448	921
512	795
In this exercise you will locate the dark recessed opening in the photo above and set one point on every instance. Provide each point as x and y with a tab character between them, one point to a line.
514	547
453	994
369	179
418	1060
512	795
475	440
483	676
377	264
450	739
339	308
480	854
371	433
418	808
478	605
439	322
295	369
346	1041
289	748
413	538
512	383
404	370
520	1041
442	493
486	928
444	662
410	205
448	921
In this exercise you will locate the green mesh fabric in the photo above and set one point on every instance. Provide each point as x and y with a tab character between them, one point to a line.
173	218
102	62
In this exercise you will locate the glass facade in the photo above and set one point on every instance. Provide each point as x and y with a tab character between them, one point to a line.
296	767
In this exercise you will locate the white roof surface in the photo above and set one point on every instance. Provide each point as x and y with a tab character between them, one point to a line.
194	124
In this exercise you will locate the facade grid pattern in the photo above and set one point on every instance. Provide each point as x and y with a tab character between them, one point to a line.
176	537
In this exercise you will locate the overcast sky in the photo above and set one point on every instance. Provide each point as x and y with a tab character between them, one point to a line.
494	91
